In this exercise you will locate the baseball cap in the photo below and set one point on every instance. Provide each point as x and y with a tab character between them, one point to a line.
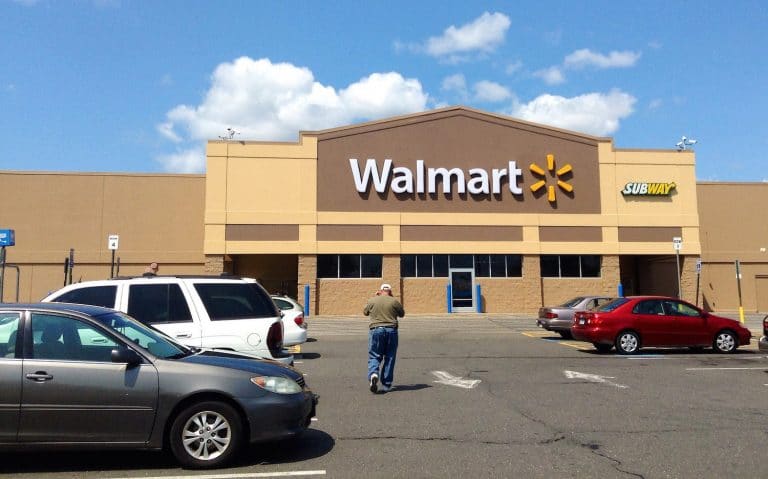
385	287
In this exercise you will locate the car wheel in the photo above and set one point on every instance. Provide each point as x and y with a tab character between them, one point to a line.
565	334
627	342
725	342
206	434
602	348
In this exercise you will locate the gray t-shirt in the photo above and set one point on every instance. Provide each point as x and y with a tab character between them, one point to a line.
383	311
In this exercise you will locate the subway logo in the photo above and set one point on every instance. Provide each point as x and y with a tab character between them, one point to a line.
648	189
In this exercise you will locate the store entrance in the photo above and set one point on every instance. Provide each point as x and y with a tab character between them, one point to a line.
649	275
462	289
278	273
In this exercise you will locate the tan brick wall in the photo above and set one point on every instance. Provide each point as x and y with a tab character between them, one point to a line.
504	295
345	296
307	272
558	290
214	264
688	278
424	295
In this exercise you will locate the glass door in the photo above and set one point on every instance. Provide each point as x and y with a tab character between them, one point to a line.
462	289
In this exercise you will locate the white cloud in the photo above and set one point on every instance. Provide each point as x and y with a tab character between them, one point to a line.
597	114
456	84
274	101
491	91
483	34
587	58
551	76
655	104
513	67
191	160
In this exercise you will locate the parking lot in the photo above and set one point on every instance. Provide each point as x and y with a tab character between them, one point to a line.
492	396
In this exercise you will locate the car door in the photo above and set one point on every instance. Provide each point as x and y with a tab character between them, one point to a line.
10	375
688	327
166	307
650	322
73	392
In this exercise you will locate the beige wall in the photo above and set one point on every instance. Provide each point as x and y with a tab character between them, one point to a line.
158	217
734	226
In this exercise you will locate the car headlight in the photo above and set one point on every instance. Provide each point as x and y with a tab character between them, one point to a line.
277	384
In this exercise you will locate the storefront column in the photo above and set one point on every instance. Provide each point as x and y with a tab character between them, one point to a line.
390	273
214	264
611	274
688	278
307	275
532	283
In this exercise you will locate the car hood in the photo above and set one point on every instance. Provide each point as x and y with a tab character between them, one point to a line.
233	360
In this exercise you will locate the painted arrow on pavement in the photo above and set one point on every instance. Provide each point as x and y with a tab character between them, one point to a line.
446	378
593	378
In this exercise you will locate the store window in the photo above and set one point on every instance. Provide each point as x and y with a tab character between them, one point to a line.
570	266
349	266
437	265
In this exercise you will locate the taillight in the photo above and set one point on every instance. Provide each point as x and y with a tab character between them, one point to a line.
299	320
550	315
275	337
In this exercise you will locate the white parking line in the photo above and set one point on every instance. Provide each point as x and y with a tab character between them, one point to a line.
721	369
243	475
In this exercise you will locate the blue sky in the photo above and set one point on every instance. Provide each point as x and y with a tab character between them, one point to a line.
139	86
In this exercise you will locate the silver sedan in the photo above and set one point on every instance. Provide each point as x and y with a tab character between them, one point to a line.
559	318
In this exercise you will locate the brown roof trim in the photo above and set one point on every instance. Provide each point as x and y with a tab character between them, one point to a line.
441	113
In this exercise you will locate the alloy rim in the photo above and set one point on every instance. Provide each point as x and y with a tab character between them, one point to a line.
725	342
628	343
206	435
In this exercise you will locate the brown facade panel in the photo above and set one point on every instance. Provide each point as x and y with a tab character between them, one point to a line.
460	233
461	141
350	233
571	233
648	234
261	233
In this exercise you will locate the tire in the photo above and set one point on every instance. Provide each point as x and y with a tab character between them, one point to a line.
216	423
725	342
603	348
627	342
565	334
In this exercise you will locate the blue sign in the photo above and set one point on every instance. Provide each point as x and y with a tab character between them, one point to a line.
7	238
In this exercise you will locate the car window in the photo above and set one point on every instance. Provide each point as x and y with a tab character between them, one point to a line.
282	304
147	337
93	295
677	308
158	303
9	326
649	306
571	302
66	338
235	301
611	305
602	301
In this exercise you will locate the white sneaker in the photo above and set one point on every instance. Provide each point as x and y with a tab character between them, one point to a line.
386	389
373	382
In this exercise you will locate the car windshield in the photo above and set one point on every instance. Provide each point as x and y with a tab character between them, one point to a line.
611	305
146	337
572	302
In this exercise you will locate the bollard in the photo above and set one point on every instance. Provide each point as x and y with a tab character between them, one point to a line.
448	297
306	300
479	292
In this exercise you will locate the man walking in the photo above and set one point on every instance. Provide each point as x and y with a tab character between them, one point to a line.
383	310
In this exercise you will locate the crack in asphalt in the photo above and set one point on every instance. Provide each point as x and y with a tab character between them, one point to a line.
455	440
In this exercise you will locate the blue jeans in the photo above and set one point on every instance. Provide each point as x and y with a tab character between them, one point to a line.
382	348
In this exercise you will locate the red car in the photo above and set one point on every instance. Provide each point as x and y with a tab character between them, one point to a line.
646	321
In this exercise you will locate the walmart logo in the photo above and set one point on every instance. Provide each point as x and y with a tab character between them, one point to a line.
559	174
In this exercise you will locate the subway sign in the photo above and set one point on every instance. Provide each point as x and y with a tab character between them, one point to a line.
648	189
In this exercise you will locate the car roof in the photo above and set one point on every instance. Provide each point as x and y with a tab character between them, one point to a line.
57	307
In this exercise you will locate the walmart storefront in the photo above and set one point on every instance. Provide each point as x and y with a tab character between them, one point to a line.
456	208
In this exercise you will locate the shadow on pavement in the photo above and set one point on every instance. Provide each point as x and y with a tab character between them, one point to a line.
312	444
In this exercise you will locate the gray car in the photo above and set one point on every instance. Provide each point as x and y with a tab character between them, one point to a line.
559	318
84	376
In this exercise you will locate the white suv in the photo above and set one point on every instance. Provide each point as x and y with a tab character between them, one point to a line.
201	311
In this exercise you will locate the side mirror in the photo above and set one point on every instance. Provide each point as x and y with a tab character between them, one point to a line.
125	355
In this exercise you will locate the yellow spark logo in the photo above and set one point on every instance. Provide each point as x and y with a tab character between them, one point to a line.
538	171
